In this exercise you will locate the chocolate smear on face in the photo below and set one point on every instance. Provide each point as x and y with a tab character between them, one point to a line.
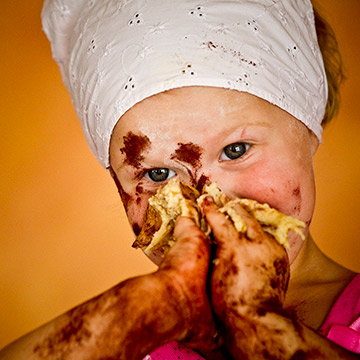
297	195
188	153
125	198
139	189
134	147
204	180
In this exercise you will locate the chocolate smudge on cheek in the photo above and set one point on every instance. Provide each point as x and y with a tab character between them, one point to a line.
188	153
139	190
125	197
142	195
296	192
134	147
297	195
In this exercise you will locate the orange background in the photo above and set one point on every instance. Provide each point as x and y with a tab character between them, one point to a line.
63	234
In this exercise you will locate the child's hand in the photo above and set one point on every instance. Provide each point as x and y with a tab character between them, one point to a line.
186	266
251	270
248	287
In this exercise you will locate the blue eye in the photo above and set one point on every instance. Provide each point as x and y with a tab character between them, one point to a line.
234	151
160	174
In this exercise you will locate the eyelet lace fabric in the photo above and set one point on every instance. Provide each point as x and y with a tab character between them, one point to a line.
115	53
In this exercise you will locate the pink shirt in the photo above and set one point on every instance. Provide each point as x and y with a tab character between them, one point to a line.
342	326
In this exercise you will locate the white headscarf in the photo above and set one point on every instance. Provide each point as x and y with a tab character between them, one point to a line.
115	53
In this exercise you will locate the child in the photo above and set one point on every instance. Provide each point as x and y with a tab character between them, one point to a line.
232	92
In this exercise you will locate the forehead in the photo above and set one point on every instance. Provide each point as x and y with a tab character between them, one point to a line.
194	123
193	113
196	106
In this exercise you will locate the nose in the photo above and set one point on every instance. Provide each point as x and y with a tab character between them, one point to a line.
206	178
224	183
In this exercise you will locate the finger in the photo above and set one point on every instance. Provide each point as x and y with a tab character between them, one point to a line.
222	228
253	228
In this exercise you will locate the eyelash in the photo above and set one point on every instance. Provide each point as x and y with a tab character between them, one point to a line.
167	172
244	148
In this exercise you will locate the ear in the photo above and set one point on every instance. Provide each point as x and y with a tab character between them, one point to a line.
314	142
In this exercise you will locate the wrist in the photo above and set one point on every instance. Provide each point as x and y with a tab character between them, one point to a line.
143	314
264	333
177	304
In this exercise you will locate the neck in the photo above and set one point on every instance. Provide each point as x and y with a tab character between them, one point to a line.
315	283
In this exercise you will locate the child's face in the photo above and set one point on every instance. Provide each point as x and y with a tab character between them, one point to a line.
249	147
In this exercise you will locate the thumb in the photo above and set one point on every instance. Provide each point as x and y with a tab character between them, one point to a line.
223	229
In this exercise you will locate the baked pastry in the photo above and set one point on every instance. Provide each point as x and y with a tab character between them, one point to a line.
176	198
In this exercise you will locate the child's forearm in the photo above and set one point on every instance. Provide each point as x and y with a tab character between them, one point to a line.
138	315
126	322
270	335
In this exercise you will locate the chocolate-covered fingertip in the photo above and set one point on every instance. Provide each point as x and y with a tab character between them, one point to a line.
208	200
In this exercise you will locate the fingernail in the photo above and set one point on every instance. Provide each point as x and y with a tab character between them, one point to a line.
207	201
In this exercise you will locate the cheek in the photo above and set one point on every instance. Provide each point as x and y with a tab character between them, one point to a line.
291	190
135	204
282	194
135	212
